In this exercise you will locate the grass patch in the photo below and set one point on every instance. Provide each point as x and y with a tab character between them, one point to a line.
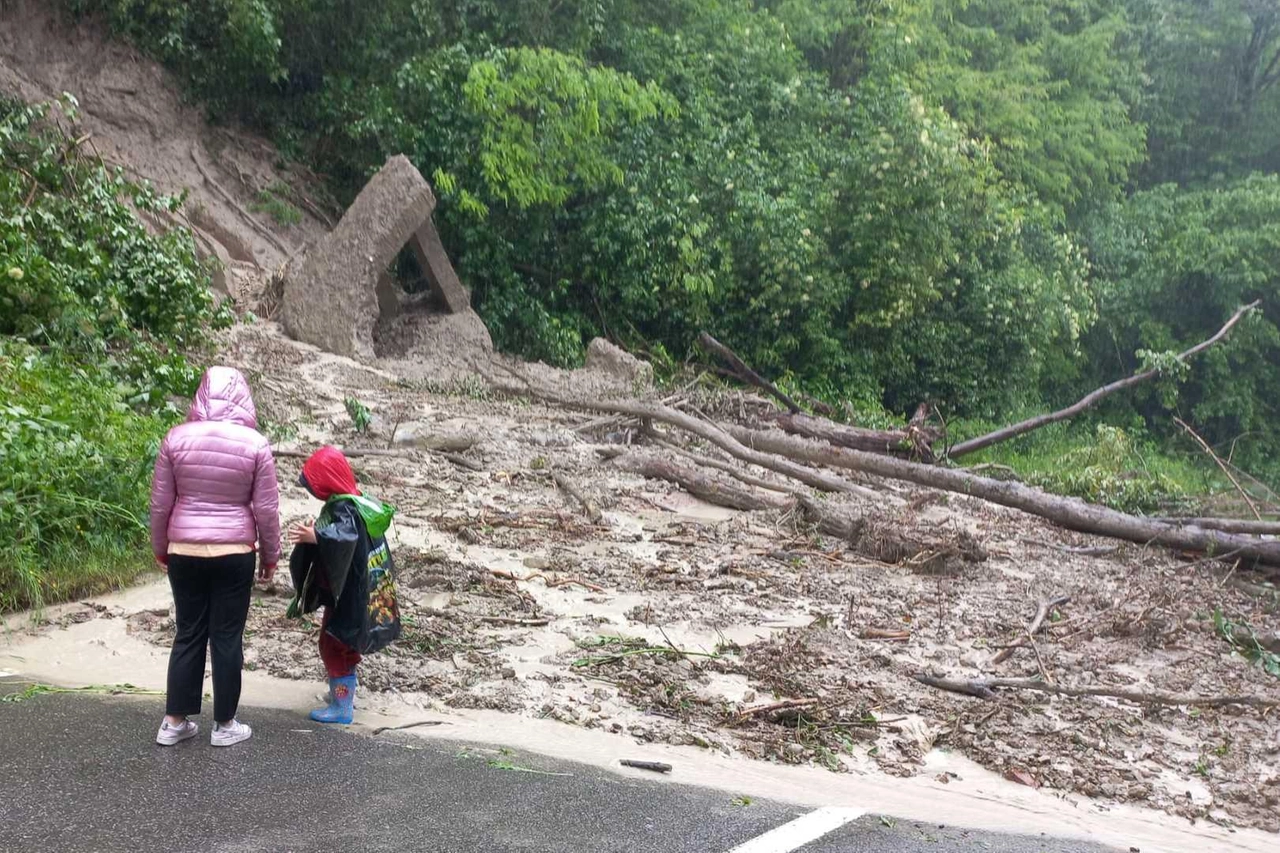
1101	464
274	201
70	570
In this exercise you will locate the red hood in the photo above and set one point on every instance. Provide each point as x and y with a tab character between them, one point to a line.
329	473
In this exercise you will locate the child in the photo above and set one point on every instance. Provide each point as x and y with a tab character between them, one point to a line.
343	563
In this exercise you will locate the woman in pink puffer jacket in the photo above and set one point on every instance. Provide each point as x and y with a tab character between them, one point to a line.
213	496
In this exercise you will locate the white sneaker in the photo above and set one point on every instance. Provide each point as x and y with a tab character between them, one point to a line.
230	734
171	734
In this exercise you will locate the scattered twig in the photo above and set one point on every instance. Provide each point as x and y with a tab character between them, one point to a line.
1042	612
1212	558
382	729
511	620
1204	445
557	582
775	707
655	766
1044	673
985	688
568	486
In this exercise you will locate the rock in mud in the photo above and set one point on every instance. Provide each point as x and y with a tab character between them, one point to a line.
617	362
331	300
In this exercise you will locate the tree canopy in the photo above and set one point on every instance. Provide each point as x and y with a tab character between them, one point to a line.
985	204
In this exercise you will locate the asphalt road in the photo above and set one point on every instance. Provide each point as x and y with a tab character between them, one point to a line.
80	773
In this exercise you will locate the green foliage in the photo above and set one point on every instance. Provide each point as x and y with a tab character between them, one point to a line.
1244	640
1213	102
1170	267
877	201
1048	84
545	119
95	315
73	487
1105	473
223	47
81	272
1119	468
359	413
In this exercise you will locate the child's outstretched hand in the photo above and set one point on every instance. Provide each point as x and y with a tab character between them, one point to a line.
300	533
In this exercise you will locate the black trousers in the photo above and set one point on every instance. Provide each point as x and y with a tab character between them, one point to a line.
211	603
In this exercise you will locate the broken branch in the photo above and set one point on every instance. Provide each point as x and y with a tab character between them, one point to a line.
745	373
775	707
985	688
711	489
1228	525
1091	399
568	486
1042	612
1204	445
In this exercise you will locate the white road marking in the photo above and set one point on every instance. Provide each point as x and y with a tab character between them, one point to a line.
800	831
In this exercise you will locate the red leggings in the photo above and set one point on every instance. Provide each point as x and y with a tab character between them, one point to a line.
340	660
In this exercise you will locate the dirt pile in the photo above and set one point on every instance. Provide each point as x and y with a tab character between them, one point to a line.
136	119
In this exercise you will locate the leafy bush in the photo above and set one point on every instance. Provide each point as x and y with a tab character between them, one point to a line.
73	486
79	271
96	313
1103	467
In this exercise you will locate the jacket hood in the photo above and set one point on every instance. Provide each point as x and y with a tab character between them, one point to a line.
224	396
328	473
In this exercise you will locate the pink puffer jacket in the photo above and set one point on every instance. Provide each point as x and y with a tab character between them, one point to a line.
215	479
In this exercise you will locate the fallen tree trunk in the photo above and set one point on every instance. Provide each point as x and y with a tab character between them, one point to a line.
721	465
717	436
1089	400
1071	513
745	373
718	491
985	688
701	485
1227	525
908	441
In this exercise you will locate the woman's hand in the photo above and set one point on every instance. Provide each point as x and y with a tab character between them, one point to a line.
302	533
163	563
266	571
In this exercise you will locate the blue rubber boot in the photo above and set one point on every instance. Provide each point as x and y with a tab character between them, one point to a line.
342	697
